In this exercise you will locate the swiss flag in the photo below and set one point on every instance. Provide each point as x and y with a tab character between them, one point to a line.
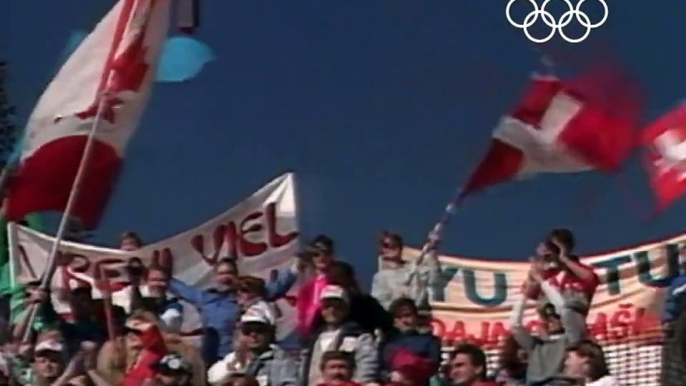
664	142
117	61
577	125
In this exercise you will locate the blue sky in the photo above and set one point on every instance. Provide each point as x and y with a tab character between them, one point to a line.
382	107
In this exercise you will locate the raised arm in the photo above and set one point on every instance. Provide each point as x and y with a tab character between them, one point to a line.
428	276
186	292
676	292
579	270
279	288
519	332
574	323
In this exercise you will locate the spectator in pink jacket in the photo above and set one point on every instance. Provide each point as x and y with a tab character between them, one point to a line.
320	253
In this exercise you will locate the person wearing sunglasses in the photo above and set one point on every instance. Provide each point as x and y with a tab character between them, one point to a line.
268	363
218	305
319	254
398	278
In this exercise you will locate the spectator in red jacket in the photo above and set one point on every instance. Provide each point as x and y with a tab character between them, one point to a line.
467	366
143	336
561	268
408	355
337	369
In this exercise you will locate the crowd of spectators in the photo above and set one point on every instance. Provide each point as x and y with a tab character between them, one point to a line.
346	336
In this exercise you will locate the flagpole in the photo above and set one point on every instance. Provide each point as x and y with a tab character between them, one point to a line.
435	234
103	96
71	201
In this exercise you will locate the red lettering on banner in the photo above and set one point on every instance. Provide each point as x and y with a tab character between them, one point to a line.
438	327
626	322
163	258
499	332
277	240
74	267
252	236
599	326
458	332
108	271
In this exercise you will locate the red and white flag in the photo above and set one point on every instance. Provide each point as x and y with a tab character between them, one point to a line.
117	61
562	127
664	143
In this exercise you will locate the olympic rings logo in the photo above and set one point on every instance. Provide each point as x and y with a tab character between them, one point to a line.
557	25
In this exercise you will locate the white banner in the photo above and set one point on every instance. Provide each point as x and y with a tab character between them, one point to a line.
261	233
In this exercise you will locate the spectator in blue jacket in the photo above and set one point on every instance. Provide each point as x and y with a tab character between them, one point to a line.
406	337
674	301
219	309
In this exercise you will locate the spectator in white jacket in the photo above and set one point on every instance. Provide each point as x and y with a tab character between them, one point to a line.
265	361
398	278
334	330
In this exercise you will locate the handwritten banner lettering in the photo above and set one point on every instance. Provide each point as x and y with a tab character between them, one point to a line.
261	233
474	298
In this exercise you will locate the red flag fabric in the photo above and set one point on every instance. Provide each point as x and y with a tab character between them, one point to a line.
120	57
562	127
664	143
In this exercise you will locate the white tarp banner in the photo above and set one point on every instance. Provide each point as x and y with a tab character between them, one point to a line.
261	233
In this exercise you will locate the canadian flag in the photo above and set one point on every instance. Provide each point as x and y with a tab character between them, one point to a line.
664	142
562	127
117	61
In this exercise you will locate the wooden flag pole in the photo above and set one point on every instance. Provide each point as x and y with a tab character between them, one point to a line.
123	20
71	201
107	303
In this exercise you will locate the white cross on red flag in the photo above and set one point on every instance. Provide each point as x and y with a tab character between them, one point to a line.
664	142
576	125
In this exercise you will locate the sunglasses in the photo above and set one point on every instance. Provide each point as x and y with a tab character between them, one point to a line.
389	245
257	328
128	330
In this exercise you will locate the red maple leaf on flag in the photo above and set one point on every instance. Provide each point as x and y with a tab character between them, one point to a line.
128	74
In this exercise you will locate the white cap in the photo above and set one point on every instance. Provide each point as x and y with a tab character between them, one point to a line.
256	315
171	320
49	345
334	292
